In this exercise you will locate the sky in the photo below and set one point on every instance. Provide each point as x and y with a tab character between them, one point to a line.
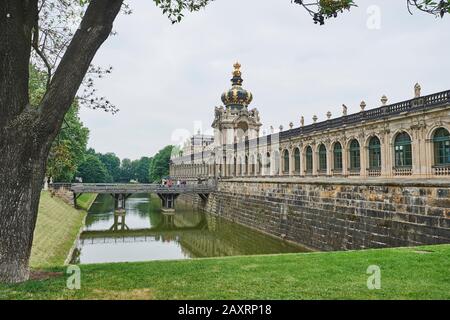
167	78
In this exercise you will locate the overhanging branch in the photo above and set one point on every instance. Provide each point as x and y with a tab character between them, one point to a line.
94	29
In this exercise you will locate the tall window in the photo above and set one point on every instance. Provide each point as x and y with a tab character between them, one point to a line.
286	161
374	153
441	142
224	167
276	163
238	167
252	165
322	158
245	171
337	155
297	160
259	163
402	149
309	159
355	155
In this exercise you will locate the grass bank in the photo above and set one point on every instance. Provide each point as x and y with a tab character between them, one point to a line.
56	230
85	200
406	273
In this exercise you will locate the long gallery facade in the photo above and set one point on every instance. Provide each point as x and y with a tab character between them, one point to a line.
409	139
376	178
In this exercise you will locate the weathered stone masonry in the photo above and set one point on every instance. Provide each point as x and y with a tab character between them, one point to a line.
338	215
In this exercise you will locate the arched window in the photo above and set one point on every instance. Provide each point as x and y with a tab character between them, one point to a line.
322	158
245	171
355	155
309	160
297	160
337	155
402	150
374	153
267	171
252	165
441	143
224	170
259	165
239	167
285	161
276	163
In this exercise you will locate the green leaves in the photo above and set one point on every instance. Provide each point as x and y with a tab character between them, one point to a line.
92	170
68	149
175	9
325	9
159	166
321	10
437	8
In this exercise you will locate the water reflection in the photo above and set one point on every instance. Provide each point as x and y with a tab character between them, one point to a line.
142	232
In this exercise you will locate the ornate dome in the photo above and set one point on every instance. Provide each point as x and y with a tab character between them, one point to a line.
237	97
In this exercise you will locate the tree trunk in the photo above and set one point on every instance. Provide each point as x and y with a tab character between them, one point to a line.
26	132
22	164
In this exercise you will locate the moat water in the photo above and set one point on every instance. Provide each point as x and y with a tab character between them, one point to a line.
145	233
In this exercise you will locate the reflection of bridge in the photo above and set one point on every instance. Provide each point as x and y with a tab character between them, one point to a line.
165	228
121	192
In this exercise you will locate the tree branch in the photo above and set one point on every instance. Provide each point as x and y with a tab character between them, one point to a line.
35	46
93	31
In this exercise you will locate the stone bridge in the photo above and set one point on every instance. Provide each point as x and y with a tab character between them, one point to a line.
121	192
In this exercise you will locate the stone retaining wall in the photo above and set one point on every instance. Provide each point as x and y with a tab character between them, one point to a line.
330	215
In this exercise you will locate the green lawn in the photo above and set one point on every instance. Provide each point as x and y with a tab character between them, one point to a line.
406	273
85	200
56	230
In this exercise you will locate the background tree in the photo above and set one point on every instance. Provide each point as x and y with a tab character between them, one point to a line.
159	166
142	170
126	171
112	164
69	147
92	170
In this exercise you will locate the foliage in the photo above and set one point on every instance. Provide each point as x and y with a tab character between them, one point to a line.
142	170
121	171
68	149
159	166
112	164
406	273
92	170
320	10
175	9
434	7
36	85
126	171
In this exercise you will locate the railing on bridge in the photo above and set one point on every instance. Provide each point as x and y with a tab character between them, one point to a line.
121	191
60	185
141	188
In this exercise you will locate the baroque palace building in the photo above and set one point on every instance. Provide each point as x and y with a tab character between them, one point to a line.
409	139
